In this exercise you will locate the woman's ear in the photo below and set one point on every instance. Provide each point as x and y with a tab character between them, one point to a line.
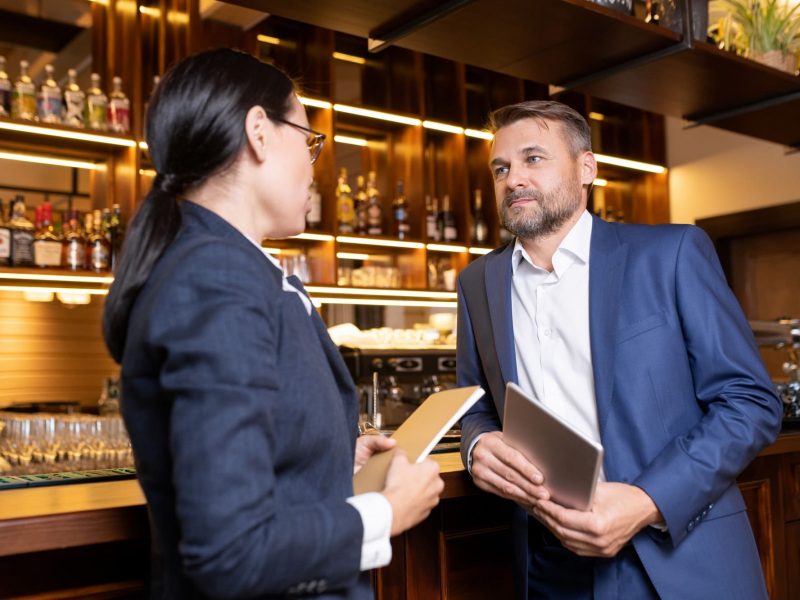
258	128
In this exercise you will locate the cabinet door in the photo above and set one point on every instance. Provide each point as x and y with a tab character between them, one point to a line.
760	486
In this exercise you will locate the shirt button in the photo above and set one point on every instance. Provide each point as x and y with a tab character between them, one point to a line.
547	332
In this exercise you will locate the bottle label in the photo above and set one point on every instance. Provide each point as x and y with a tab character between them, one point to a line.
315	214
5	245
450	234
99	257
96	113
74	105
73	255
432	228
49	105
5	98
23	102
47	253
22	248
119	115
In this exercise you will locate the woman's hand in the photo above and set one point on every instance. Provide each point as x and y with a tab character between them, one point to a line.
412	489
367	445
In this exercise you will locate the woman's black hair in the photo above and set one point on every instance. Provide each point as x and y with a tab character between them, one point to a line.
195	129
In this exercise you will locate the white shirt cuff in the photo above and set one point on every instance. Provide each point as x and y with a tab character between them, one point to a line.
469	451
376	516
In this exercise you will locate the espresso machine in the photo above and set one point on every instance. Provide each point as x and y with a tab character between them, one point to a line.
393	381
785	334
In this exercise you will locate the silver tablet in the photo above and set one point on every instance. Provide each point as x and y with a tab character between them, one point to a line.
569	461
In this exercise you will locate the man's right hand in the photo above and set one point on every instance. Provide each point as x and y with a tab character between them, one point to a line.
412	489
500	469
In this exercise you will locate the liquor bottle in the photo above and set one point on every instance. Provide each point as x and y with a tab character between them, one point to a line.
345	210
48	100
361	203
22	232
23	96
96	116
5	239
98	248
74	103
119	109
116	233
314	216
74	251
448	221
46	245
480	231
374	206
5	90
432	219
402	227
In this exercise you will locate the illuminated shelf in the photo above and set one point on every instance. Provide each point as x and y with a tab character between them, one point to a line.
59	138
54	280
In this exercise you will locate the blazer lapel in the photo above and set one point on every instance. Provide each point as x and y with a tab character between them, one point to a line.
498	295
606	269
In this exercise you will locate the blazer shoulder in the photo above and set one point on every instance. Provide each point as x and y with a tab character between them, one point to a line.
660	237
476	269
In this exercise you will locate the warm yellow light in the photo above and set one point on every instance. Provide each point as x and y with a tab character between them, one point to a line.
477	250
56	278
314	237
103	2
344	239
597	116
54	290
431	295
268	39
314	102
383	302
600	182
143	145
479	133
376	114
70	135
74	297
346	139
150	11
273	251
148	172
359	60
446	248
629	164
443	127
52	160
177	17
352	256
38	296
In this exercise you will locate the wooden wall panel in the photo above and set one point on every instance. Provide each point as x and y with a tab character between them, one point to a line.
51	352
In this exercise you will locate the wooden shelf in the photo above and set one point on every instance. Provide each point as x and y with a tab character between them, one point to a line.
561	41
61	140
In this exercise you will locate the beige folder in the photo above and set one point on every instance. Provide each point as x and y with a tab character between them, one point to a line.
418	434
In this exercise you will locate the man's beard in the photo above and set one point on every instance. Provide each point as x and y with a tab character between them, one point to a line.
542	217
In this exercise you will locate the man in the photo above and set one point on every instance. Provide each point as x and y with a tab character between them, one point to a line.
631	334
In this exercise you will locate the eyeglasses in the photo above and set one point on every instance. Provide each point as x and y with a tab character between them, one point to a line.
314	141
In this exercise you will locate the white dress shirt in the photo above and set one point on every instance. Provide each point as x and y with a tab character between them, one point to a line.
374	508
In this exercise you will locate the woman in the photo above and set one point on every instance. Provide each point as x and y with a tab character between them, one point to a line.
241	413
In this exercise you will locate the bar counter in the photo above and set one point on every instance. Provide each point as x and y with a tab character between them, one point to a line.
461	549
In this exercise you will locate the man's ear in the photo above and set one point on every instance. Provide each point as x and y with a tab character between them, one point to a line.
588	168
257	128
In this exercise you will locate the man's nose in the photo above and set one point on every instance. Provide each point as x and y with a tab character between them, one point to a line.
516	178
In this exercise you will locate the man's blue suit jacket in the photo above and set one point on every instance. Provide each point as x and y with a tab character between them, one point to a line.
684	402
243	419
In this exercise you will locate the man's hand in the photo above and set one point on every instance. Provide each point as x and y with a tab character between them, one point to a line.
367	445
501	470
618	512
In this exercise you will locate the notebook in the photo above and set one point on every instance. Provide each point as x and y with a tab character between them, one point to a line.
569	461
418	434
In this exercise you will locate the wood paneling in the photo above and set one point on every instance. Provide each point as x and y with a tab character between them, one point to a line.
51	351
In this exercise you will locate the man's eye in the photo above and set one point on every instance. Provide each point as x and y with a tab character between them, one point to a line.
533	159
499	171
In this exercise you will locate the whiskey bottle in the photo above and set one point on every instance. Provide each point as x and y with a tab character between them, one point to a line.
23	96
402	227
5	92
96	116
345	210
22	232
47	244
74	103
480	231
374	206
119	108
115	234
360	204
314	216
74	252
98	248
5	239
448	221
48	100
432	231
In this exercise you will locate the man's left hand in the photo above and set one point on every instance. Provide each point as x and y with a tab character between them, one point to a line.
617	513
367	445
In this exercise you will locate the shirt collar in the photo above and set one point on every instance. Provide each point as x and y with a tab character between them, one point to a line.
576	244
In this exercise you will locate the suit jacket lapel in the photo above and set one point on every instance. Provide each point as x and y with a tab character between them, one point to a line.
606	269
498	291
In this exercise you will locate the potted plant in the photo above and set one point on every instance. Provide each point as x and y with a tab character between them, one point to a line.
767	31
